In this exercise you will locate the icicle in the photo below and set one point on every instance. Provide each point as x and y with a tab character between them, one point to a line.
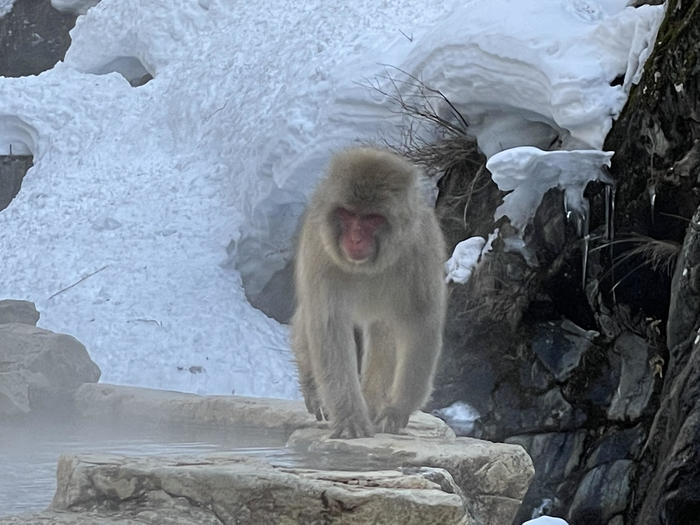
576	217
586	247
610	191
577	211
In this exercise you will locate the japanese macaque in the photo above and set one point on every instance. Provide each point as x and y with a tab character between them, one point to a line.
367	330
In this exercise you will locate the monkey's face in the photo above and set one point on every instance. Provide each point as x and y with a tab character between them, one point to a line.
358	234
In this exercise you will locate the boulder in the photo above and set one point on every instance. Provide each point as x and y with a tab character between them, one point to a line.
13	311
40	369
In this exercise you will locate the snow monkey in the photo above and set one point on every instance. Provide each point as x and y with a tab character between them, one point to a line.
370	295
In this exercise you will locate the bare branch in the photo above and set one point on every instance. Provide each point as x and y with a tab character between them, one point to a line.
77	282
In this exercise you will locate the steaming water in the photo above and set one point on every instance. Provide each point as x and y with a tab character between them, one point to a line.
29	451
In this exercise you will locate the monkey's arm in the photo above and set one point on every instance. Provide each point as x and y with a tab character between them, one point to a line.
334	361
416	360
307	382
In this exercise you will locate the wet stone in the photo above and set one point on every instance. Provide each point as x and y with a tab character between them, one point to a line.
616	444
636	379
603	493
560	347
555	454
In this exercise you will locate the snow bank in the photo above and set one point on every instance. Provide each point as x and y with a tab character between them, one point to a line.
6	6
121	229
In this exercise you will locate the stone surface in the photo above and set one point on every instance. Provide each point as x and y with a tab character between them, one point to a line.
133	403
615	444
556	456
40	369
237	490
14	311
493	476
602	493
636	380
94	400
671	474
560	346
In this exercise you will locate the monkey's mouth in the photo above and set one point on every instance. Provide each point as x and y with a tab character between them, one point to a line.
357	257
357	253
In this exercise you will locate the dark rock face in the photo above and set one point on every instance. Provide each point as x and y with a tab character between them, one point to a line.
33	37
659	135
669	487
12	171
598	378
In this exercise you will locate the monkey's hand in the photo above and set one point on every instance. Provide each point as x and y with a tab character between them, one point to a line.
312	401
390	420
313	405
354	426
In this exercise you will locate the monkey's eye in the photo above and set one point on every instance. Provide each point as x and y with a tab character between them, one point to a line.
345	215
374	220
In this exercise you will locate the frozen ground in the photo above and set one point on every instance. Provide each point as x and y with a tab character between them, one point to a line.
120	231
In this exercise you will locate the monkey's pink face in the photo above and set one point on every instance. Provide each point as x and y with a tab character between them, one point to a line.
358	234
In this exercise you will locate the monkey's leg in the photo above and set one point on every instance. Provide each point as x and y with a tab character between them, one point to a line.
334	359
378	367
417	354
300	345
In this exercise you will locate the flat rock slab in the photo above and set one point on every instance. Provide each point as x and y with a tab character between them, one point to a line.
128	403
238	490
493	476
164	406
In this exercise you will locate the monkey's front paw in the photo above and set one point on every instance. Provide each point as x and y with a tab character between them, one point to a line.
352	427
313	405
391	420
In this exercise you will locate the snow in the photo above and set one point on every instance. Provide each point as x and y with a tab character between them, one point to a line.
6	6
460	416
464	259
78	7
150	211
528	173
546	520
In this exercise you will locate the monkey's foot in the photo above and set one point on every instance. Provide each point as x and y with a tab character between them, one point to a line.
391	420
352	427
